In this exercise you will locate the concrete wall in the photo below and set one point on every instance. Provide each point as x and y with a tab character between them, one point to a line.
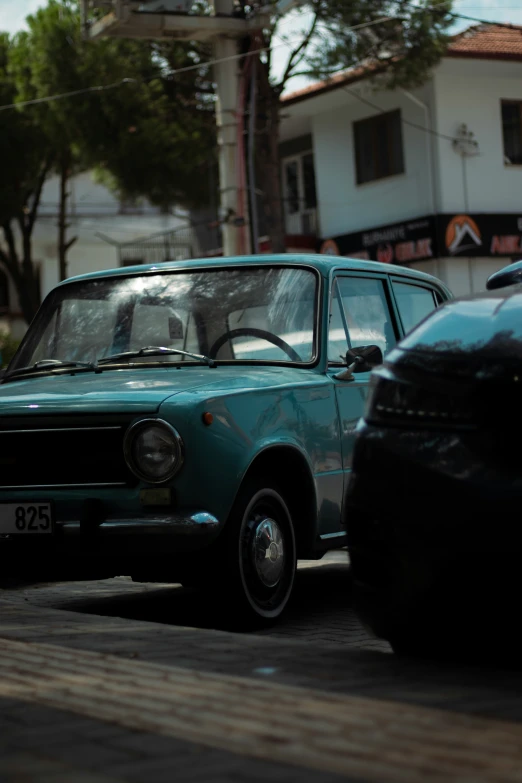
93	211
470	92
346	206
462	275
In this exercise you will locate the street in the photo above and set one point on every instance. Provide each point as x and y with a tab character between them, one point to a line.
116	681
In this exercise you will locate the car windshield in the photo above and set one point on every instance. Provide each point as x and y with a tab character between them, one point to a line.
241	314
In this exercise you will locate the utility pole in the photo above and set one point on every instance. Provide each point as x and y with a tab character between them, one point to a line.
172	18
226	78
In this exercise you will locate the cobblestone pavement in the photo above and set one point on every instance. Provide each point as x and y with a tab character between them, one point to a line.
320	611
111	681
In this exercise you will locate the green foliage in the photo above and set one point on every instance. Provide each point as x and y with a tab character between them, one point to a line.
8	348
402	39
405	45
23	146
151	134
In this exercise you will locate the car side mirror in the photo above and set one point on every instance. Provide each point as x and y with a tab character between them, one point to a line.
508	275
363	358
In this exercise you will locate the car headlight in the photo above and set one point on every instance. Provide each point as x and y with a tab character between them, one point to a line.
153	450
396	401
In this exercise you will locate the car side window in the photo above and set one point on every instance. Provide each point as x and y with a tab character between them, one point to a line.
414	302
337	339
367	315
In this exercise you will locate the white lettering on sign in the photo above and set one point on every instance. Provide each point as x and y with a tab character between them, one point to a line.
506	245
411	251
378	237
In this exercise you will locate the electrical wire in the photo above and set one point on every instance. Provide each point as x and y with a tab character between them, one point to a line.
405	122
239	56
465	17
71	94
185	69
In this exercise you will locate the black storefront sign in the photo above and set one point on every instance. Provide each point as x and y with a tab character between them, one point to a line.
431	237
480	235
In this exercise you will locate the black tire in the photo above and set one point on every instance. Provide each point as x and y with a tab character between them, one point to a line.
257	548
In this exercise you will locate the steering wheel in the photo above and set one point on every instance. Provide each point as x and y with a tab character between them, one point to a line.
251	332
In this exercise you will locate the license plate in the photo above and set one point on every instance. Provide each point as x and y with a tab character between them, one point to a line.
28	518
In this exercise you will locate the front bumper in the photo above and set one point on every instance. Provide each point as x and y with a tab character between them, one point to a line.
105	546
195	523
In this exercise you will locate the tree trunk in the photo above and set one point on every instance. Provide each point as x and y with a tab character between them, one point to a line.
63	244
270	169
23	274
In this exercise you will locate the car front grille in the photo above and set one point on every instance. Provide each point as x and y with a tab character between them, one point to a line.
58	453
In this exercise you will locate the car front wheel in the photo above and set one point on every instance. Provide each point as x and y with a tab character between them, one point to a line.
258	553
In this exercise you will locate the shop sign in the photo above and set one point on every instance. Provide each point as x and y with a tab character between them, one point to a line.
424	238
481	235
398	243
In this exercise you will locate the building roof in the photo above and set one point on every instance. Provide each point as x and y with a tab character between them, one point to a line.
490	42
485	42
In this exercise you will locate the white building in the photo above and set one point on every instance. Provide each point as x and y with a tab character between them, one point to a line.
108	232
429	178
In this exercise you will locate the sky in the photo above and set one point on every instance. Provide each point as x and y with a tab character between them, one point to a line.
13	13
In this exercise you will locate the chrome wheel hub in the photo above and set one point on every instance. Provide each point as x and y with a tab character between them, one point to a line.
268	551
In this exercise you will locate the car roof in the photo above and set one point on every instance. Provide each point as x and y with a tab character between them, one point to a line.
325	264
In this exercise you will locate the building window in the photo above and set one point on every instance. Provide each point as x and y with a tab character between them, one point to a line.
378	147
299	194
512	132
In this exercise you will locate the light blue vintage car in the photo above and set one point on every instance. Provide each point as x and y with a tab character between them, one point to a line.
193	422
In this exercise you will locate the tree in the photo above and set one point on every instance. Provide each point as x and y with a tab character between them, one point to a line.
399	41
27	158
148	136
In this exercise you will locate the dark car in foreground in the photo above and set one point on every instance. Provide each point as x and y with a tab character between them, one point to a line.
433	504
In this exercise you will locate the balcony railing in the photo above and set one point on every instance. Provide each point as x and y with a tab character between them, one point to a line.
300	221
166	19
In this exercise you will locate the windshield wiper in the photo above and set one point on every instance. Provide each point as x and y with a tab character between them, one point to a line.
48	364
155	350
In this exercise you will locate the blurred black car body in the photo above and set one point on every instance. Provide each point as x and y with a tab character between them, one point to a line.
433	508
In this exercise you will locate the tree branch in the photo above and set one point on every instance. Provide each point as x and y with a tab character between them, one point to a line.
38	192
4	259
375	67
298	54
11	244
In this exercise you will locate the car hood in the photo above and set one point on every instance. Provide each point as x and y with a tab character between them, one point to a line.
131	390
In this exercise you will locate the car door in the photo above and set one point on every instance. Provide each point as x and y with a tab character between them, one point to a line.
414	300
361	313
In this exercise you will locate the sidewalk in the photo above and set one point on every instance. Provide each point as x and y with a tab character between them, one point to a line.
88	698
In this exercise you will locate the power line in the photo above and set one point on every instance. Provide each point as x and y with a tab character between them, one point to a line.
98	88
239	56
455	15
185	69
405	122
